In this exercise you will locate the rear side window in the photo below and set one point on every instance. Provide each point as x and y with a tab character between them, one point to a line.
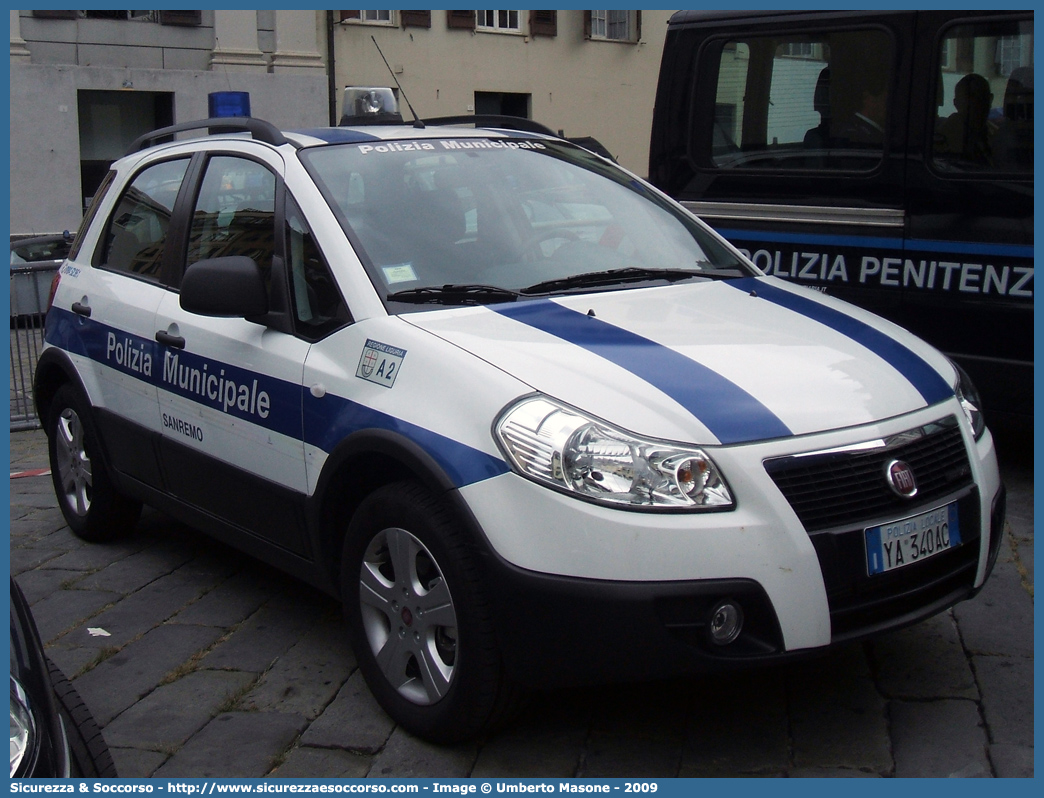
984	98
803	101
137	232
92	211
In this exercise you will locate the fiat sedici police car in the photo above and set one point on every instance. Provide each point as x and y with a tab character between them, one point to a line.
533	422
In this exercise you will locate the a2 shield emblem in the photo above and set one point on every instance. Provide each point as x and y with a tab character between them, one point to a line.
380	363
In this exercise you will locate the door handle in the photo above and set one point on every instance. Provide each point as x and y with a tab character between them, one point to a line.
173	341
81	309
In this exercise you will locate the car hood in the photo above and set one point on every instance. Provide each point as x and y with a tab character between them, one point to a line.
729	362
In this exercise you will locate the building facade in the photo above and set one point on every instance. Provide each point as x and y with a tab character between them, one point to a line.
85	84
584	73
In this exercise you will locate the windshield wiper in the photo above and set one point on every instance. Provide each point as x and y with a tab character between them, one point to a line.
628	275
455	295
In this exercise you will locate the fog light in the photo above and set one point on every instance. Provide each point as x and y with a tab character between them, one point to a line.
726	622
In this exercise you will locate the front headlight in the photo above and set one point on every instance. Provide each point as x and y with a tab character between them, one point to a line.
968	396
566	449
23	727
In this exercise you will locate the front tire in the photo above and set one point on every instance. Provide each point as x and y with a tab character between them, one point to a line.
418	622
93	508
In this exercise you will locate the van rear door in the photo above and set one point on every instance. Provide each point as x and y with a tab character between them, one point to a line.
968	265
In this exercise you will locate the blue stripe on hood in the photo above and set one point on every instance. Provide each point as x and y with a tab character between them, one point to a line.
729	412
932	387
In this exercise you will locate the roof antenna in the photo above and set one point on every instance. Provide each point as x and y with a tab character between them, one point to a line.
416	119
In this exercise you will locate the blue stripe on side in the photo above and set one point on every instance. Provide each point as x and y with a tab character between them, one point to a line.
327	421
331	419
912	245
922	376
729	412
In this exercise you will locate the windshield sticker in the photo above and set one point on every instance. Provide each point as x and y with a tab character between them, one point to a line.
491	144
380	363
399	273
457	144
396	146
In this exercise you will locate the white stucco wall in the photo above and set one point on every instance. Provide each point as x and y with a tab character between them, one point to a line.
585	88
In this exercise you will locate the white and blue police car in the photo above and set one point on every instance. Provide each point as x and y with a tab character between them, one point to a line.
534	422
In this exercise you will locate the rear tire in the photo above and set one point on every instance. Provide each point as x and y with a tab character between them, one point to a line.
90	755
418	622
93	508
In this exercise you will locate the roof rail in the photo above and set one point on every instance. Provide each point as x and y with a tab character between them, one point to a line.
259	130
493	120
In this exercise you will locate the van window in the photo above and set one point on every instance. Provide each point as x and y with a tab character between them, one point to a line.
803	101
984	98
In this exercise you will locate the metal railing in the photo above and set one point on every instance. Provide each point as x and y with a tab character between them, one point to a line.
30	287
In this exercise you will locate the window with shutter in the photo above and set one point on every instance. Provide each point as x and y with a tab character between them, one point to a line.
181	17
49	14
543	23
461	19
613	25
415	19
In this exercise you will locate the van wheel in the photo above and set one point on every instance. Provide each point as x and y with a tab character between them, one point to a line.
418	622
92	507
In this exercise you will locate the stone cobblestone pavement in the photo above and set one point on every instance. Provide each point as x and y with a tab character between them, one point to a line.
199	661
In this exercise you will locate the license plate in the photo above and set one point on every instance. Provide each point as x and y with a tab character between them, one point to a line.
910	540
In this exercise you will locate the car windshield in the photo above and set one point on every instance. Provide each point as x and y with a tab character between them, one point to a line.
476	220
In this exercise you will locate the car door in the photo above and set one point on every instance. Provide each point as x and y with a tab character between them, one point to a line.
112	320
230	388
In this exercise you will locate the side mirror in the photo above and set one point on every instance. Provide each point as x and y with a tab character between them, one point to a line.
231	287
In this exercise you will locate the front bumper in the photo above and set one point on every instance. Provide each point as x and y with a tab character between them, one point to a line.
584	593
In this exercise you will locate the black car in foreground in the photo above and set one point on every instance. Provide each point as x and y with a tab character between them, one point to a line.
53	734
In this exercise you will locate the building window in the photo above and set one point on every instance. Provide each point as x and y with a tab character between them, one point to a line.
497	103
1010	53
613	25
381	17
141	16
798	50
163	17
500	21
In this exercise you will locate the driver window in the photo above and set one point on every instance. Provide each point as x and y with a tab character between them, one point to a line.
802	101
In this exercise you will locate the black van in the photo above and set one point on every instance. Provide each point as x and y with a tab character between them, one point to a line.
883	157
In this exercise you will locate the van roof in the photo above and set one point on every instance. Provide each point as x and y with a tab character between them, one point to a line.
690	17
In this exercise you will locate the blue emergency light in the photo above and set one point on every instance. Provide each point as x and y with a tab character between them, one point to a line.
228	103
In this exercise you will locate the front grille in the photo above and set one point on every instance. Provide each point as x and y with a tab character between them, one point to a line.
847	486
838	493
860	603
